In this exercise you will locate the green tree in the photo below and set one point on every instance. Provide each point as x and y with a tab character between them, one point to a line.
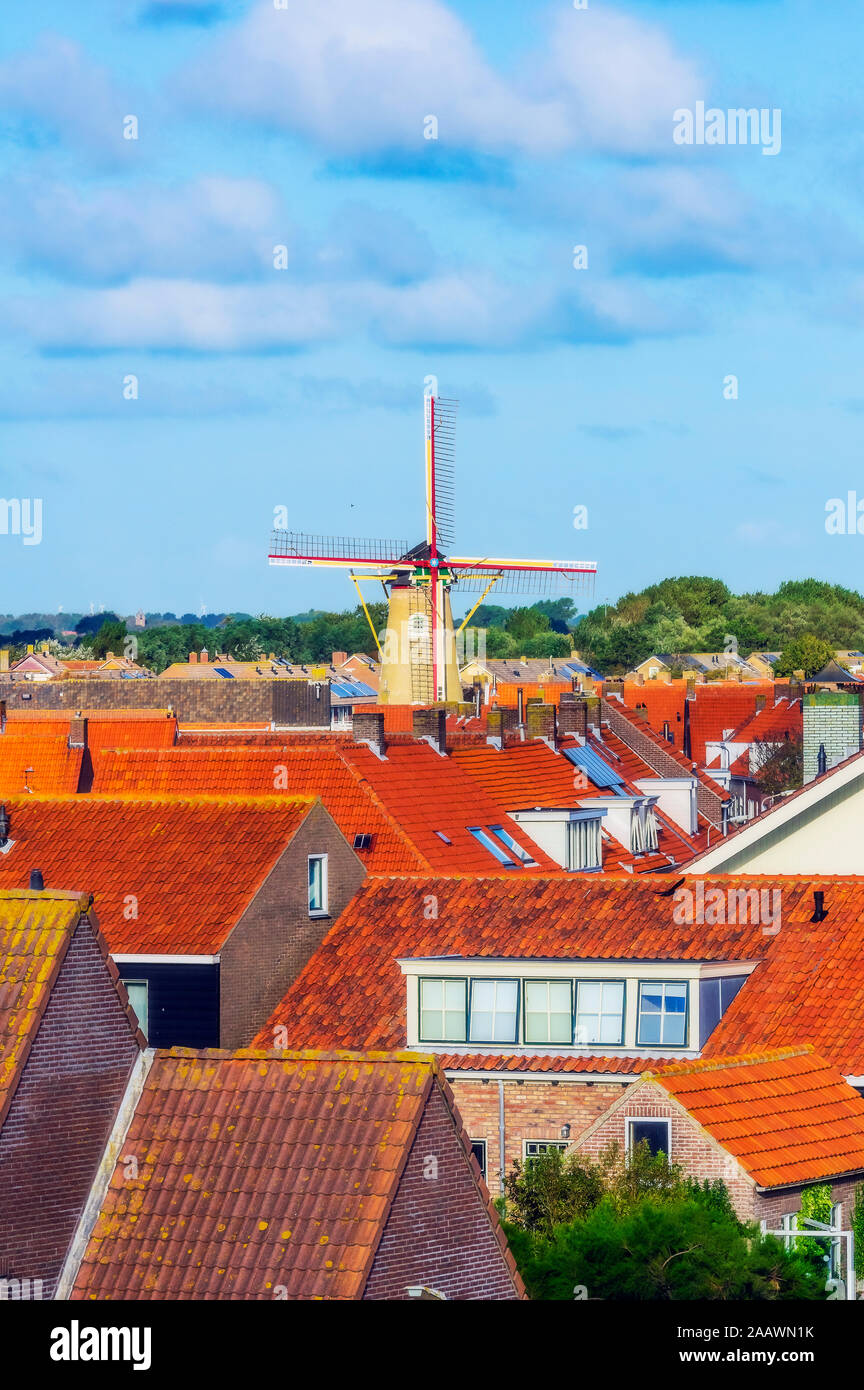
807	653
110	637
675	1249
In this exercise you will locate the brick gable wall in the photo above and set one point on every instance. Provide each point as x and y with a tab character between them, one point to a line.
241	700
62	1113
690	1146
439	1233
275	937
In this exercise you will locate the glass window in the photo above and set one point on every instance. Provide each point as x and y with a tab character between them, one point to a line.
533	1148
600	1012
515	849
662	1014
442	1010
318	883
494	1010
138	997
548	1011
484	839
583	844
478	1149
654	1133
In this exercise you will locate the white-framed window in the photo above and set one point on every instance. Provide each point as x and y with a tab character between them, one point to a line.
478	1149
643	830
583	844
600	1012
317	864
549	1011
139	998
657	1133
443	1010
494	1011
662	1013
533	1148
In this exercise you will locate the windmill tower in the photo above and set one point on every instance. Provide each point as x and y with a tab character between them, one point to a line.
418	659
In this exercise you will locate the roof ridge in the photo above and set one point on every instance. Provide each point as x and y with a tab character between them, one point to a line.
744	1059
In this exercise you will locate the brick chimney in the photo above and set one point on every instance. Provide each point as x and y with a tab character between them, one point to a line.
204	657
573	716
498	723
431	724
338	658
541	720
193	658
368	728
78	732
4	659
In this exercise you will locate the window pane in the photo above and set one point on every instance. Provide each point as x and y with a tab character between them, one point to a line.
613	998
654	1132
589	998
649	1029
442	1010
483	995
559	996
536	996
493	1010
588	1028
610	1028
652	999
674	1028
676	999
561	1028
137	992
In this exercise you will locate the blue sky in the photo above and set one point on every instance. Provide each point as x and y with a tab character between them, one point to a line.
302	386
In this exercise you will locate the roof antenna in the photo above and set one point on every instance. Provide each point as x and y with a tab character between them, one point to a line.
821	761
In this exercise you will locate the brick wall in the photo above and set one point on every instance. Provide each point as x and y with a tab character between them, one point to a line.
287	702
439	1232
532	1110
541	721
690	1146
773	1206
62	1113
832	718
275	937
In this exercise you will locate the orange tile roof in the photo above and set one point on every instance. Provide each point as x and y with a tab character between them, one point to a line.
259	1174
786	1116
35	932
279	772
188	868
351	993
506	694
427	794
519	1062
42	764
783	719
719	707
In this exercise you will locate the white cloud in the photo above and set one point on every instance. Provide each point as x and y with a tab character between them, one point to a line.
225	227
356	78
467	310
58	90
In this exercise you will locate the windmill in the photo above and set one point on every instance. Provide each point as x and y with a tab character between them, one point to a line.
418	660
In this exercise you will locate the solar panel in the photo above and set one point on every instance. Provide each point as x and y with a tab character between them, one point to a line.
601	774
220	671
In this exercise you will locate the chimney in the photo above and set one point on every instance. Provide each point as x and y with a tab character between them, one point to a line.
819	913
78	732
4	659
338	658
542	721
761	701
193	658
44	649
29	648
573	716
368	728
37	882
498	723
109	656
431	725
520	704
5	826
204	657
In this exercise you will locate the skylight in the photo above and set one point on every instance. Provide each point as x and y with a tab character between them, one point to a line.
485	839
514	847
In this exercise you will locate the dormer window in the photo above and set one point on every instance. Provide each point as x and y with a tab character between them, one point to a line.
600	1012
443	1008
549	1011
494	1011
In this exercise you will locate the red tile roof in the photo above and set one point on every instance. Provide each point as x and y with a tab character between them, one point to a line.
169	876
506	693
786	1116
260	1175
274	770
720	707
483	1061
426	794
779	721
352	993
38	764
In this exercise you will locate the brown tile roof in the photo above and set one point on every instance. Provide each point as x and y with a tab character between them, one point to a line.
38	764
188	868
259	1173
786	1116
